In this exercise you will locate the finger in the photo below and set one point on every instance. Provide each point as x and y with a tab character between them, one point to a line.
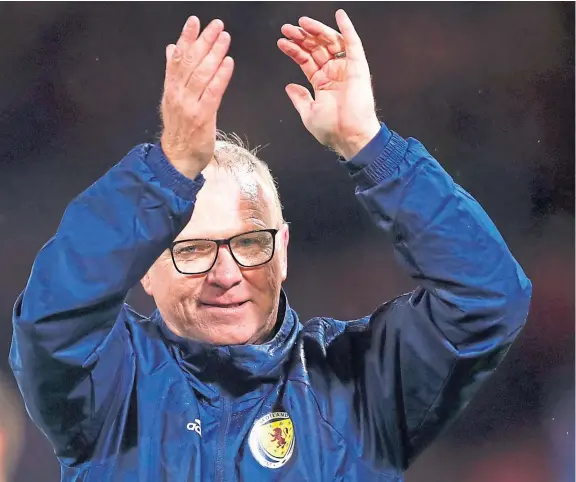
187	38
170	51
202	75
293	32
354	49
303	58
172	65
189	33
332	39
199	49
301	37
310	43
214	91
301	99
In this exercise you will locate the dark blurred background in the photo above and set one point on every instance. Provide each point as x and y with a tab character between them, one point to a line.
487	87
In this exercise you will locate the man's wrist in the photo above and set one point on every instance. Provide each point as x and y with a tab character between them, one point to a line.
186	167
169	176
354	144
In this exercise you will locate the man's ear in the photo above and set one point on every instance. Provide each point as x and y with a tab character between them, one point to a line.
284	239
4	462
147	283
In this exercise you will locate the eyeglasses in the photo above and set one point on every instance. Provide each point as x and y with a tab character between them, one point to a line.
197	256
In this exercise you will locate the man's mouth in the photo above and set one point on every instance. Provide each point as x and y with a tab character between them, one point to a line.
225	305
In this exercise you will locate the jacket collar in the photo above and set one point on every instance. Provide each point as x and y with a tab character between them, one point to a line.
234	369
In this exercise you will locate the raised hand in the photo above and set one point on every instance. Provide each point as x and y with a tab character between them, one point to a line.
197	75
342	114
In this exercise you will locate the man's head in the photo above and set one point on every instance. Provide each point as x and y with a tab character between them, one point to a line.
229	304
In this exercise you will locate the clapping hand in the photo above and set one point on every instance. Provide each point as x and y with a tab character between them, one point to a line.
197	75
342	114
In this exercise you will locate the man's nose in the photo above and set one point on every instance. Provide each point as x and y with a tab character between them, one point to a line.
225	273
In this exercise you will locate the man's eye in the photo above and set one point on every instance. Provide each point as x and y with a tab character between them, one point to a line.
248	241
192	249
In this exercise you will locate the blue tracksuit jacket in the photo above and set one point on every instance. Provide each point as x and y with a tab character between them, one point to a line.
123	399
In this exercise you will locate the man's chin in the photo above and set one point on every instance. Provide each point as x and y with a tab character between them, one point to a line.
249	332
236	336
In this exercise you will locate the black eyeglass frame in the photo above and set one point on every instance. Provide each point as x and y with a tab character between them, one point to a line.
225	242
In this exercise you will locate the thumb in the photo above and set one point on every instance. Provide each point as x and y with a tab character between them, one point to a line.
170	51
301	98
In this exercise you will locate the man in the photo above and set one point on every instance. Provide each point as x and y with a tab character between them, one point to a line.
223	382
11	431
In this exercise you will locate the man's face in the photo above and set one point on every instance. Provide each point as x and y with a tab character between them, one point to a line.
225	207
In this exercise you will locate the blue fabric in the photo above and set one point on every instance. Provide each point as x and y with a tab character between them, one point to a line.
121	398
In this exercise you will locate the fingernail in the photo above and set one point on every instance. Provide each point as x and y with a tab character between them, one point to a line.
177	54
189	22
217	23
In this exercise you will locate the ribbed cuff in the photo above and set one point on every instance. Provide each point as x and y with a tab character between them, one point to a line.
169	176
384	164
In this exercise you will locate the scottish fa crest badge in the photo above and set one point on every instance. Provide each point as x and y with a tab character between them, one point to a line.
272	439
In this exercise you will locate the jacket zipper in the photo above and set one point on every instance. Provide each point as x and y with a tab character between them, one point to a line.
226	415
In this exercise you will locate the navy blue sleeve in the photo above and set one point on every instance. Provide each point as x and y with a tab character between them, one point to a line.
71	353
418	360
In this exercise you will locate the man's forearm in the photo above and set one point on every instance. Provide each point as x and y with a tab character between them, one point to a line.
110	235
445	239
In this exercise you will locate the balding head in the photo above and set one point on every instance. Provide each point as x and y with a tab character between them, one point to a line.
252	173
